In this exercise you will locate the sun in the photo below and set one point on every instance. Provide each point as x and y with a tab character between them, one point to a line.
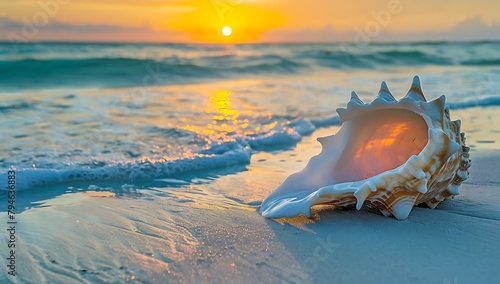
226	31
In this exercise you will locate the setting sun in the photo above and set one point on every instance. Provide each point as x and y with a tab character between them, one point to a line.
226	31
226	24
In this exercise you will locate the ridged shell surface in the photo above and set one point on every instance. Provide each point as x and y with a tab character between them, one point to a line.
389	155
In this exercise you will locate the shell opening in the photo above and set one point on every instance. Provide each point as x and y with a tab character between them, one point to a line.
379	141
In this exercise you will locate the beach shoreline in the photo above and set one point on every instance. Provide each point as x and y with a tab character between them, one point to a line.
210	231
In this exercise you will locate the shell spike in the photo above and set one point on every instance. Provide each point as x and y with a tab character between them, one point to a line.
403	208
416	83
440	103
355	101
385	93
342	113
355	97
415	93
384	88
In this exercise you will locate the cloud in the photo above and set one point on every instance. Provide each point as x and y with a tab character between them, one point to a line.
11	30
471	25
58	26
474	28
8	24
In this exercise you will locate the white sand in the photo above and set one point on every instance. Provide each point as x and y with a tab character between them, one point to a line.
211	233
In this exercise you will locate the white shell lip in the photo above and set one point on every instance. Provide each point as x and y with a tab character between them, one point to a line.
419	178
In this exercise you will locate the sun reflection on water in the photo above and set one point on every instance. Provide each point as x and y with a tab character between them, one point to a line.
223	120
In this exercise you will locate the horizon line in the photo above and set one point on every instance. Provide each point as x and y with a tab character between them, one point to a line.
3	41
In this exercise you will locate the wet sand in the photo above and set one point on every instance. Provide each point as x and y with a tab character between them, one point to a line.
208	230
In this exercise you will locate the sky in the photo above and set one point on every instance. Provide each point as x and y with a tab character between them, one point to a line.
192	21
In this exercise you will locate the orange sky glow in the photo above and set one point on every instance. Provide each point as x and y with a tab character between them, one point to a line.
250	20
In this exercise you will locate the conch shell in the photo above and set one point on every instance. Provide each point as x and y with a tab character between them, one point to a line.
389	155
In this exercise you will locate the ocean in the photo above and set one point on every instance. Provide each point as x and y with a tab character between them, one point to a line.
98	112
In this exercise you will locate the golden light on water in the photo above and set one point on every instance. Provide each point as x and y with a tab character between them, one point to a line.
224	119
227	31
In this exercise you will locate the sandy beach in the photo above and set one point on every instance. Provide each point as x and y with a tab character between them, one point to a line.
209	231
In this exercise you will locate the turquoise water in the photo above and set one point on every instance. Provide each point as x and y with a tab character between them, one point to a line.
74	65
125	112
